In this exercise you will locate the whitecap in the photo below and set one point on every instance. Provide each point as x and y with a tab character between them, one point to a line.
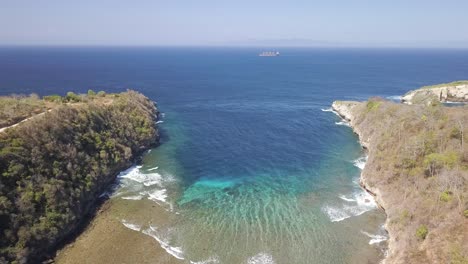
157	195
133	197
135	174
330	110
154	168
361	202
261	258
343	123
335	214
159	122
131	226
174	251
375	239
342	197
361	162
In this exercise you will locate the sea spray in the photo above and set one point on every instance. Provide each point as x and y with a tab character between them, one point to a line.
131	226
359	202
375	239
174	251
261	258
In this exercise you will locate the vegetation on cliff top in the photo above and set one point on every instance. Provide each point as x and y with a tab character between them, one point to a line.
54	166
16	108
455	83
418	159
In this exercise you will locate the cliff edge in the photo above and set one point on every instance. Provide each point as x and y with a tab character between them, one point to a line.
417	170
447	92
55	166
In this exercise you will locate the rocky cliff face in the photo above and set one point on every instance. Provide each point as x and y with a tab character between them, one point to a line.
54	168
426	218
454	92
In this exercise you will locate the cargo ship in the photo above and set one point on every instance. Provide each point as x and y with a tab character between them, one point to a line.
269	54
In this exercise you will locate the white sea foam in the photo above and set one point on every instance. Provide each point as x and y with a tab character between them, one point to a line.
174	251
154	168
133	197
157	195
131	226
361	162
375	239
261	258
343	123
360	203
342	197
331	110
159	122
135	174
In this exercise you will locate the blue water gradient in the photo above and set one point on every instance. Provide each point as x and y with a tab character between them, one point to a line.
251	165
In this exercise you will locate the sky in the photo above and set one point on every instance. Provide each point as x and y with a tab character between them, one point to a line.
329	23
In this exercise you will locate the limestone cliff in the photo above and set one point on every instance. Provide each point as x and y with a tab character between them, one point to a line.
417	170
453	92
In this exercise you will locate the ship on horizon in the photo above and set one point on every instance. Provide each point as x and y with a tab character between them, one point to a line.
269	54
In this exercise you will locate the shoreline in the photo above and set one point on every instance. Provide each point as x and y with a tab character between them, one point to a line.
346	115
106	239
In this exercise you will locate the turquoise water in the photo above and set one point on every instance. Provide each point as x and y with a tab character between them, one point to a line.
252	166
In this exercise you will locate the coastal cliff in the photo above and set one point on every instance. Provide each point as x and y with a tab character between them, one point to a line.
417	170
447	92
55	165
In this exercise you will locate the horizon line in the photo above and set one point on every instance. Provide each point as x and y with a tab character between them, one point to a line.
397	47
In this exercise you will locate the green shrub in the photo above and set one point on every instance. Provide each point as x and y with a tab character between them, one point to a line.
72	97
373	105
446	196
91	93
465	213
101	93
422	231
53	98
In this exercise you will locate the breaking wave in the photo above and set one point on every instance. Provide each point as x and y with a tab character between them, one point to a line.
343	123
375	239
359	203
261	258
361	162
131	226
174	251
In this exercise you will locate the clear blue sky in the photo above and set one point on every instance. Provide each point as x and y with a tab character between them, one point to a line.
368	23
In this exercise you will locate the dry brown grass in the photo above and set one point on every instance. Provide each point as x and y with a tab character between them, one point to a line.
418	160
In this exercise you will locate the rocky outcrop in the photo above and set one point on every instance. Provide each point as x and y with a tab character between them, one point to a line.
55	167
453	92
426	221
345	110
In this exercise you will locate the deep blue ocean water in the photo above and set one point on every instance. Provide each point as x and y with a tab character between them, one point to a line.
250	166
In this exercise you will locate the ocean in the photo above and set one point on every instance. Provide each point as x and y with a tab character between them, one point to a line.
253	167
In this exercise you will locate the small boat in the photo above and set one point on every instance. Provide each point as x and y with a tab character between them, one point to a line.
269	54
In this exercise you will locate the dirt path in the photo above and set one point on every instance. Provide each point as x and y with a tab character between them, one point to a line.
24	120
